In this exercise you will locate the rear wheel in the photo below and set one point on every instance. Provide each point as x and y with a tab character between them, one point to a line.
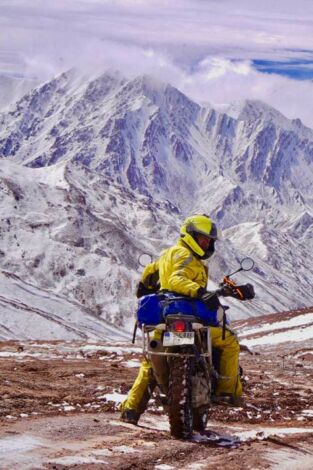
180	397
201	392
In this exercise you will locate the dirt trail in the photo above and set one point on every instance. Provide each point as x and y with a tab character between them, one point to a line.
97	441
58	410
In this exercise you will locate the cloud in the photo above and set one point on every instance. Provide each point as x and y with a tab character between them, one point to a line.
207	48
222	82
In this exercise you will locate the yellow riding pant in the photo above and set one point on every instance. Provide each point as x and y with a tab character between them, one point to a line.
228	382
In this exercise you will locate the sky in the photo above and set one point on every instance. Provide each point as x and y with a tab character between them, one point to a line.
215	51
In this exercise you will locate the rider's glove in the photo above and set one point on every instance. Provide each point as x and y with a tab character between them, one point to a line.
227	291
142	290
150	285
209	298
244	292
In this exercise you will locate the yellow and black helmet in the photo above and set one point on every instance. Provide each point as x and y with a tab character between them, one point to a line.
199	224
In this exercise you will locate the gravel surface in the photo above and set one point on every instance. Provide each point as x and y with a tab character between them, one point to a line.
59	410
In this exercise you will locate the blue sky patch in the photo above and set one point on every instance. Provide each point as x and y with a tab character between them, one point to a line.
296	69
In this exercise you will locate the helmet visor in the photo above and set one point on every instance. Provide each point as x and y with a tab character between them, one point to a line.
214	232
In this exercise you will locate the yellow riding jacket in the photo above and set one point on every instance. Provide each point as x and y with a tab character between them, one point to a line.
179	271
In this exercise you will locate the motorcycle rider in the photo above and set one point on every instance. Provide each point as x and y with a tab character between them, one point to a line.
181	269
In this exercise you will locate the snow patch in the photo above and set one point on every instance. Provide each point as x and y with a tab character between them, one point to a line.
263	433
301	334
19	444
124	449
131	363
115	397
286	459
163	466
77	460
120	350
296	321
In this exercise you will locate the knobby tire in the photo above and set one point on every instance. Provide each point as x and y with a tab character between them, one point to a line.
180	397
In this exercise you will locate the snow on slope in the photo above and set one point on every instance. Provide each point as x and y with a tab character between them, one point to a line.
286	327
77	235
27	312
13	88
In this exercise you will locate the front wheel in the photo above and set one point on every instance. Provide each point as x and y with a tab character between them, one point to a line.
180	396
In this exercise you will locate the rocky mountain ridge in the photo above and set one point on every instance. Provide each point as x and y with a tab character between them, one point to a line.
102	169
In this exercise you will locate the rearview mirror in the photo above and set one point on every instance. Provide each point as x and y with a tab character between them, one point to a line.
144	259
246	264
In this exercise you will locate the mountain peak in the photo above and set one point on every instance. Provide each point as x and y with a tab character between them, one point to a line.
257	110
252	110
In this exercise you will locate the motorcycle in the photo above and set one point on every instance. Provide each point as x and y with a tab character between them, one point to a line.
177	342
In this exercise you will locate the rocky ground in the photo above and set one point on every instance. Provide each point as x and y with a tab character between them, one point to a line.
59	400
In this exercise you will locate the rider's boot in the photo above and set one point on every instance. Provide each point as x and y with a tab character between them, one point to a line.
228	400
139	395
130	416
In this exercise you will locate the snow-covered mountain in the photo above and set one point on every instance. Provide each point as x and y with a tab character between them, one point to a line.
13	88
27	312
96	171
